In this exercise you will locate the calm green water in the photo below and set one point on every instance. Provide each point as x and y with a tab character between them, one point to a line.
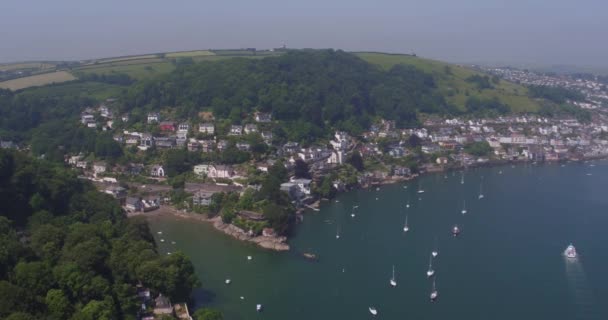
506	264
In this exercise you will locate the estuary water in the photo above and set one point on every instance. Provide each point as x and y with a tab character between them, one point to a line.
507	263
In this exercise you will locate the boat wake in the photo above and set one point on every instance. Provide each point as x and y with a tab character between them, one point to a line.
585	306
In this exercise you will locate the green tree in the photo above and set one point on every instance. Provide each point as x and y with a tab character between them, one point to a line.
36	277
479	149
301	169
356	161
208	314
58	304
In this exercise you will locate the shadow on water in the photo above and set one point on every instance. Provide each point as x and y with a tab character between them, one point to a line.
583	297
203	297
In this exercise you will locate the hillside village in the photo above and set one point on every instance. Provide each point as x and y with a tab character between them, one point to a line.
383	154
593	88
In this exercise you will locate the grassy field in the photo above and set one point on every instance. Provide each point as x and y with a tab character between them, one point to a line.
138	71
452	81
195	53
149	67
96	90
26	65
37	80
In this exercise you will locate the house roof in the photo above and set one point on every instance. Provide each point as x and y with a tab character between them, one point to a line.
162	302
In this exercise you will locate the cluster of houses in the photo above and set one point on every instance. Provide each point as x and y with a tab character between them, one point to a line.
159	307
594	91
444	141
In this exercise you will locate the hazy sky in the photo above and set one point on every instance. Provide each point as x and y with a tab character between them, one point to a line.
541	32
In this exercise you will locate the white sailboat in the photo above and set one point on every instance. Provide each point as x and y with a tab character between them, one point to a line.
406	228
430	272
481	191
434	293
373	311
462	178
435	251
338	232
464	207
393	281
420	189
408	203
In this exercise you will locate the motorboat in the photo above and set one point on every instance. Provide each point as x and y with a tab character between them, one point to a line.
570	252
455	230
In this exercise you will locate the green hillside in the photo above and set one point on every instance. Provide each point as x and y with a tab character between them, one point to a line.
452	83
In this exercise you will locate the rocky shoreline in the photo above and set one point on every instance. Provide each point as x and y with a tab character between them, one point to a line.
275	243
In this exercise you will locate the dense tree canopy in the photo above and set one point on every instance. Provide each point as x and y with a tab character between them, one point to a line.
310	89
68	252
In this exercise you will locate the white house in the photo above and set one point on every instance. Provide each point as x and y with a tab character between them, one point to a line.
262	117
303	185
153	117
220	171
214	171
99	167
207	128
157	171
183	127
336	157
236	130
251	128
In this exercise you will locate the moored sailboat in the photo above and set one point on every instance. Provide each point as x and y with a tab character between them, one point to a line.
430	272
406	228
393	281
435	251
434	293
464	207
373	311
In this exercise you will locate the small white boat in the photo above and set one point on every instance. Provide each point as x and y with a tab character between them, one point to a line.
242	298
355	207
352	215
378	189
481	191
376	198
430	272
373	311
464	207
393	281
172	242
406	228
249	257
570	252
435	251
162	240
408	204
258	307
160	232
227	281
420	191
337	201
434	293
589	174
462	178
500	172
338	232
455	230
168	253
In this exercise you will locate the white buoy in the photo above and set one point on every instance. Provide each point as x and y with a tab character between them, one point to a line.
249	257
